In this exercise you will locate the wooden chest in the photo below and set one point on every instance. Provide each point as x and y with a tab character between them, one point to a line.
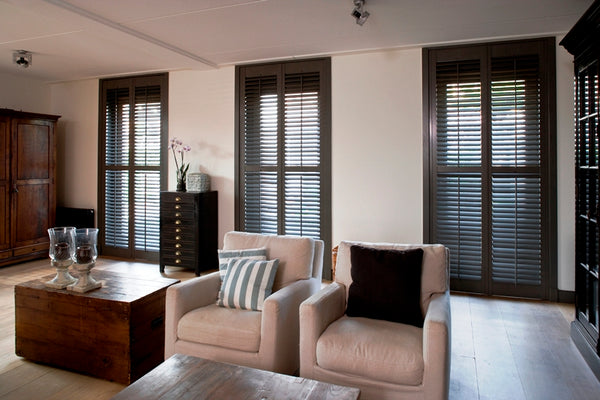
116	332
189	230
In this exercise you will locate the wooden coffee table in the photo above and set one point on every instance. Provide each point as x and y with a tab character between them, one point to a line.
116	332
185	377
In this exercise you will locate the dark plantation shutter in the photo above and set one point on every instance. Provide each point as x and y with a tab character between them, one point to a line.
491	165
458	223
458	183
134	134
116	203
147	136
260	193
458	108
302	190
284	157
516	172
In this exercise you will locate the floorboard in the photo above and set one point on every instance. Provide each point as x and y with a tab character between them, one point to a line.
501	348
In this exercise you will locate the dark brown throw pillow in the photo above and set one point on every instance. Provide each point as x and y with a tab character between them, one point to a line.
386	284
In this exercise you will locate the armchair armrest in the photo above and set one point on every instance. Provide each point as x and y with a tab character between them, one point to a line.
316	314
436	347
279	327
184	297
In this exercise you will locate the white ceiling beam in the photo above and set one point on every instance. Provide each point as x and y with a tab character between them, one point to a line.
129	31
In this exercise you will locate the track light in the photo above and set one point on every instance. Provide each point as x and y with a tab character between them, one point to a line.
359	12
22	58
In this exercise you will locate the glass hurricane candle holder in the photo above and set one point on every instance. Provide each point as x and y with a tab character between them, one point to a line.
62	248
85	256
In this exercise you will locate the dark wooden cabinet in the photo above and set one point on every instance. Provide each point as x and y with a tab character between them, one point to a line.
27	184
189	230
583	42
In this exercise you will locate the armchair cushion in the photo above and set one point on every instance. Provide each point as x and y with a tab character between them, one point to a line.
247	283
374	349
223	327
295	254
227	255
386	284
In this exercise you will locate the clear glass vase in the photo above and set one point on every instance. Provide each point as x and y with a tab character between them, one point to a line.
62	249
86	253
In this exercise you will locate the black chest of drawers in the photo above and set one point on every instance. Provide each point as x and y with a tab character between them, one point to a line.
189	230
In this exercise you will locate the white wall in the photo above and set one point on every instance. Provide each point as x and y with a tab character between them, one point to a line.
201	114
565	159
22	93
377	145
377	184
77	143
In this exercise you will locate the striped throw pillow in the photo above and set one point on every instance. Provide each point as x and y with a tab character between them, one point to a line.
227	255
247	283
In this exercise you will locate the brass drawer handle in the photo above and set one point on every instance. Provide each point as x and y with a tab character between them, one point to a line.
177	198
177	222
177	207
177	237
178	261
177	253
178	245
177	230
178	214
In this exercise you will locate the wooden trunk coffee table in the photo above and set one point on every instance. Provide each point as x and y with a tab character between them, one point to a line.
116	332
185	377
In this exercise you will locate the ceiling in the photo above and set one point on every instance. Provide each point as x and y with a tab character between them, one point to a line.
78	39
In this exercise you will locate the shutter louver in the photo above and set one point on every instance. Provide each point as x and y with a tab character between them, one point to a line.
516	230
302	190
515	112
302	120
458	199
147	210
458	110
516	191
260	199
117	127
147	134
458	223
261	121
302	204
116	206
147	126
260	154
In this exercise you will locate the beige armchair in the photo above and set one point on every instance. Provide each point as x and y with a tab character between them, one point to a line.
386	360
266	339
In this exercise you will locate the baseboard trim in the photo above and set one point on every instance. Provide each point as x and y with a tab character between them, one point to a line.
565	296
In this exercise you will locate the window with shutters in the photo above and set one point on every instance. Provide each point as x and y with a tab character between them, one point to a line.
491	167
133	135
283	147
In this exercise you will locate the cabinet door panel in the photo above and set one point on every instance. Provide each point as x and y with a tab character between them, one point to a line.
33	151
4	218
31	214
4	185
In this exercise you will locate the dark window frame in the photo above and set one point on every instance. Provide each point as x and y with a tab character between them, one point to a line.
130	83
323	66
546	48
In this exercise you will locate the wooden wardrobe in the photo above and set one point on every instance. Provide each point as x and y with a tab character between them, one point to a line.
27	184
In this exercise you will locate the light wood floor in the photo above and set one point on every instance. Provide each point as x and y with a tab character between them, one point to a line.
501	348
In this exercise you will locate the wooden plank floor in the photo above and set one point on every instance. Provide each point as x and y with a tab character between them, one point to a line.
501	348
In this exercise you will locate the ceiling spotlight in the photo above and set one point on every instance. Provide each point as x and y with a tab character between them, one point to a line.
359	12
22	58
